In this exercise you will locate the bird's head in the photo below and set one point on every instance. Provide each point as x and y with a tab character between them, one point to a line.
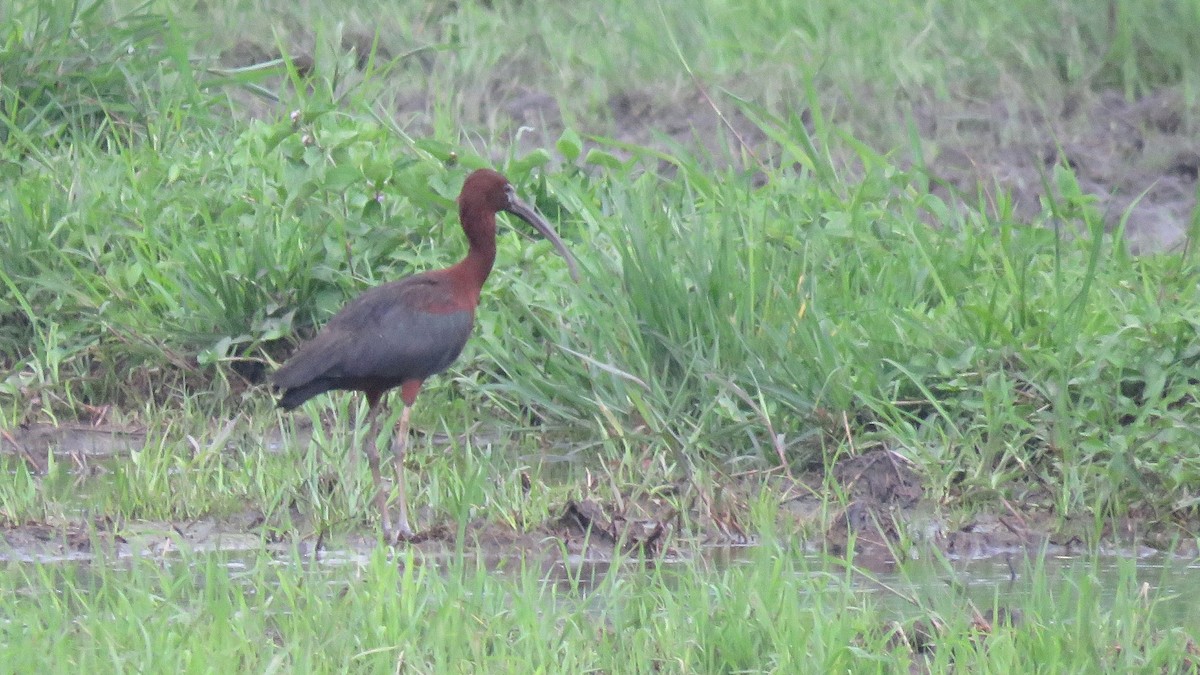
488	192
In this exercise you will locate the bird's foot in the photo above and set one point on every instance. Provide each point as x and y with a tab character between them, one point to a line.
401	533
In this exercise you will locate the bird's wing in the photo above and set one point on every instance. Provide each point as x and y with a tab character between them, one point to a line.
407	329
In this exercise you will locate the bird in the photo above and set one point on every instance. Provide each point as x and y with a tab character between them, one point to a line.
400	333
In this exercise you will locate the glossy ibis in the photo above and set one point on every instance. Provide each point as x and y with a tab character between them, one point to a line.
400	333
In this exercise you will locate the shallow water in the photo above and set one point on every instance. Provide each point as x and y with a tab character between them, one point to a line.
84	455
1002	581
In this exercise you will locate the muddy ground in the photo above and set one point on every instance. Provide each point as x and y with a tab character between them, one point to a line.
873	505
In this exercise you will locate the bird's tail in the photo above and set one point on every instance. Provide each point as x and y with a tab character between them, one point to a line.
297	395
305	374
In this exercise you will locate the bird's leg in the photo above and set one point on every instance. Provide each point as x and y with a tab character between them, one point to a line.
373	459
403	529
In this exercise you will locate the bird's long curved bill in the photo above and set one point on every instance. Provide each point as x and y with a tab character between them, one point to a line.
526	213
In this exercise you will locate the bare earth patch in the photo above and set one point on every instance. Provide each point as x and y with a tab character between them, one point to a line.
1135	159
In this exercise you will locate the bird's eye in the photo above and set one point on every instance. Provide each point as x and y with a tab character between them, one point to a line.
510	192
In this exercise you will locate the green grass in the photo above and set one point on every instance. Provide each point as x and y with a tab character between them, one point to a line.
157	239
1002	357
778	609
177	205
148	259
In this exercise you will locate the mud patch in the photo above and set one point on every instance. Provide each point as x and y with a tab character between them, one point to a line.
880	476
584	525
881	487
1131	159
104	538
875	514
47	542
82	443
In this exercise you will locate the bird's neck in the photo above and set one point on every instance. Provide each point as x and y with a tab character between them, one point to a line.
474	269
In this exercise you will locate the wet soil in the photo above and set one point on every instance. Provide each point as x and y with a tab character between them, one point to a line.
80	443
870	507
